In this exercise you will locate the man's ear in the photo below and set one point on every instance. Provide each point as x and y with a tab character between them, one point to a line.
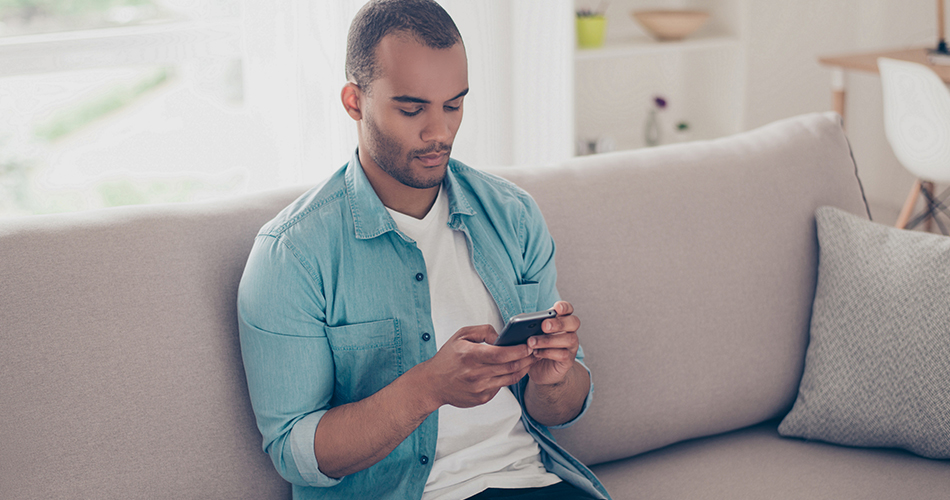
351	95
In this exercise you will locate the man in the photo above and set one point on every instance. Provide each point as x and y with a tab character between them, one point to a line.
369	306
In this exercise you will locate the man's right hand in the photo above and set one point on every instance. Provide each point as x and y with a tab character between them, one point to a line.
468	370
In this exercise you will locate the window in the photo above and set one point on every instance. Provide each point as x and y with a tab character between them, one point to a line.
115	102
28	17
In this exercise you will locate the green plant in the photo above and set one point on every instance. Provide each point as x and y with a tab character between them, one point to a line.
16	174
599	12
31	8
74	118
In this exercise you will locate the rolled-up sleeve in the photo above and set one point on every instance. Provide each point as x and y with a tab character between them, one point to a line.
287	358
539	250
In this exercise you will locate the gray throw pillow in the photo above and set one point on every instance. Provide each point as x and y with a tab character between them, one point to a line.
877	370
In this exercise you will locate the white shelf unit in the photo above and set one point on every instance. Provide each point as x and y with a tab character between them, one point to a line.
635	46
702	78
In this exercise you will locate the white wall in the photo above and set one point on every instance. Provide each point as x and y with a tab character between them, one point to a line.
519	110
521	71
782	41
785	39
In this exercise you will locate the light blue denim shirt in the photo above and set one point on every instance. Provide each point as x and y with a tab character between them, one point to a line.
334	305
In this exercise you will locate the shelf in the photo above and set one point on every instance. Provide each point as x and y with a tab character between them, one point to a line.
646	46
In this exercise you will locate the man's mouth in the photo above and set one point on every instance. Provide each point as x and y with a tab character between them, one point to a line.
433	159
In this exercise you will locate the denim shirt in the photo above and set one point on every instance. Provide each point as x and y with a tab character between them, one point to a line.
334	305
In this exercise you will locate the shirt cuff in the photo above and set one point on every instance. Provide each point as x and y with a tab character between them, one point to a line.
301	446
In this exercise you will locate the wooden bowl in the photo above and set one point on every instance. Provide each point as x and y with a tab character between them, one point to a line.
669	25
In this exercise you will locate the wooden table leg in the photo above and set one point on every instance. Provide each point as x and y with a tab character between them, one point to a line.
837	91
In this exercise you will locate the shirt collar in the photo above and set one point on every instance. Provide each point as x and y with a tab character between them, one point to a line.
370	217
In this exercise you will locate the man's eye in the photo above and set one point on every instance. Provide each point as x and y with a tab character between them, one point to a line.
452	108
410	113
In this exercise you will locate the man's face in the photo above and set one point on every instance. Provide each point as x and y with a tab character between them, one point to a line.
413	109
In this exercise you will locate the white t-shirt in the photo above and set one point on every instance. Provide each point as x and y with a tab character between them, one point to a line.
486	446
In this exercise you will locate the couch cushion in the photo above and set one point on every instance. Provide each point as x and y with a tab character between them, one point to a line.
757	463
120	369
692	268
877	372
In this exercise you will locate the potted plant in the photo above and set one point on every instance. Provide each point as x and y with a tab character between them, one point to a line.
591	26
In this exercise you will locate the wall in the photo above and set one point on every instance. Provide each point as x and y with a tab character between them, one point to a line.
784	40
521	71
519	110
701	80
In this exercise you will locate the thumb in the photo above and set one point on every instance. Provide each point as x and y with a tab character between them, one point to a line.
478	334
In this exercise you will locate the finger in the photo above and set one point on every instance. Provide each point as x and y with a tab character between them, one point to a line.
477	334
554	341
561	355
512	378
512	367
563	308
499	355
561	324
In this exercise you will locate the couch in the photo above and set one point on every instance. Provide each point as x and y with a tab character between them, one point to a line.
693	268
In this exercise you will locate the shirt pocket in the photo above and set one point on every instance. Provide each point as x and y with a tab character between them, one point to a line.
366	358
528	296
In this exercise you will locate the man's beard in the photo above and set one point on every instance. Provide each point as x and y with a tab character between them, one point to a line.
385	151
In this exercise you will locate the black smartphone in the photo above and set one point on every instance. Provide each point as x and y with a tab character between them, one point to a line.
522	326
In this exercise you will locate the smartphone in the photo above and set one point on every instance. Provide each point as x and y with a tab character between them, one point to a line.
522	326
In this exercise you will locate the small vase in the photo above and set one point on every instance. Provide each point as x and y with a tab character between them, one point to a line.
651	132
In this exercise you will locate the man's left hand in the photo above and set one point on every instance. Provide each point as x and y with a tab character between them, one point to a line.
556	349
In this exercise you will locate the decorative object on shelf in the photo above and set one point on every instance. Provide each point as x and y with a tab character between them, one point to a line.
605	144
591	27
682	132
940	55
652	134
602	144
670	25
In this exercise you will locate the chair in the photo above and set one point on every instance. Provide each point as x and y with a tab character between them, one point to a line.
917	125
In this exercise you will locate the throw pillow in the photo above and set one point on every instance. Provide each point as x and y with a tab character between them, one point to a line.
877	369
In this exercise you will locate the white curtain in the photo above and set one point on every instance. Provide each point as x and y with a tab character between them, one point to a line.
520	109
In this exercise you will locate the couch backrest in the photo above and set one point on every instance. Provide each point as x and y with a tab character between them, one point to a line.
693	270
120	368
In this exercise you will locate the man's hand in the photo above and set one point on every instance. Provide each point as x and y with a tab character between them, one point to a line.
557	384
557	348
468	371
465	372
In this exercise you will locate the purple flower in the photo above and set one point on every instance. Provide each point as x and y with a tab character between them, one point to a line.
659	101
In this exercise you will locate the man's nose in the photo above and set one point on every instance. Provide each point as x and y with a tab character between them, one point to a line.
438	128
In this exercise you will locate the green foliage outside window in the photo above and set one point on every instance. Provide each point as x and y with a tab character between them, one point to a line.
26	17
20	162
24	151
74	118
29	8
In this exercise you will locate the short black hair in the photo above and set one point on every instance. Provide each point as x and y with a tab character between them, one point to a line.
425	20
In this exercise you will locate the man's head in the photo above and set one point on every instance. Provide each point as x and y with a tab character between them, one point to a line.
408	75
424	20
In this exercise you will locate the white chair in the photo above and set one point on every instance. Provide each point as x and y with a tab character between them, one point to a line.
917	125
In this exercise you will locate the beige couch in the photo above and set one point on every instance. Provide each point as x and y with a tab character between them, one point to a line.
693	268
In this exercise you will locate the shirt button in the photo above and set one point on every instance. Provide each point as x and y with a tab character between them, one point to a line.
423	460
426	337
419	276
